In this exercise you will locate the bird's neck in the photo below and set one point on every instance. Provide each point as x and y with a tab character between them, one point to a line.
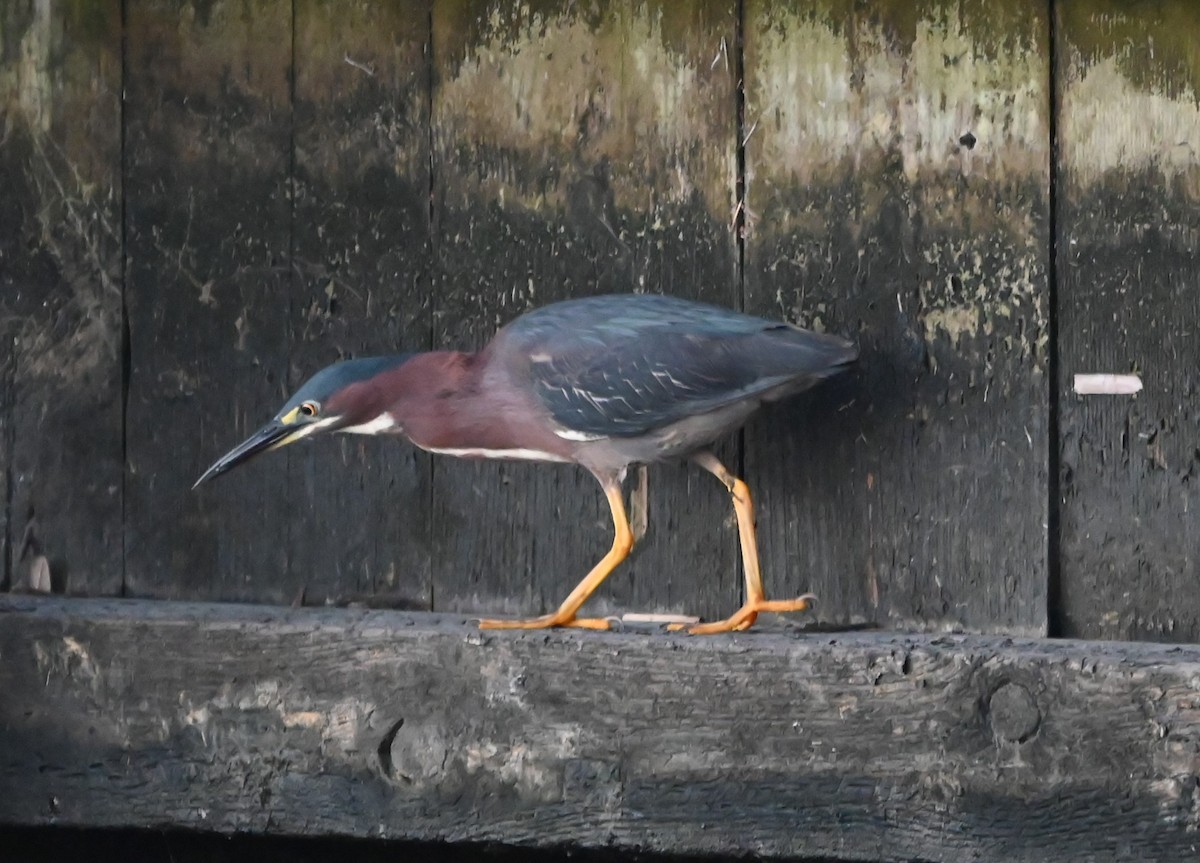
452	403
438	395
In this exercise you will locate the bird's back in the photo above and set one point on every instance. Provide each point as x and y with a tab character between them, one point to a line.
628	364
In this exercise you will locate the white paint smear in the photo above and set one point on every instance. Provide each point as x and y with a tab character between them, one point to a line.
650	617
1107	385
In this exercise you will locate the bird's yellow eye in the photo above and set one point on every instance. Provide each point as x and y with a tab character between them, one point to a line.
310	409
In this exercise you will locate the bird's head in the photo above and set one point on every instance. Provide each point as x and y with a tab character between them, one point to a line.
345	396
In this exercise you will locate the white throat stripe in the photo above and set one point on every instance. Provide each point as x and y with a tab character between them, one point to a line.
511	454
381	423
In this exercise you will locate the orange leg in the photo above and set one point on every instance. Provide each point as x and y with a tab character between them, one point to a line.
565	616
756	599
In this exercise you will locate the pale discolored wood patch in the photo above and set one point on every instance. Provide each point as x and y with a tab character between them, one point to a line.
898	192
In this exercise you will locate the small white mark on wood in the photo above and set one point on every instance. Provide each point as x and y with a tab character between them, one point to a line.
206	295
242	328
531	766
198	718
1107	384
362	67
304	719
650	617
70	660
344	720
39	574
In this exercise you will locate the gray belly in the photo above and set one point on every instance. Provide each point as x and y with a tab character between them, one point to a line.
668	443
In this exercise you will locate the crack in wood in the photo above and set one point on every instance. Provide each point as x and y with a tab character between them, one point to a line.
385	752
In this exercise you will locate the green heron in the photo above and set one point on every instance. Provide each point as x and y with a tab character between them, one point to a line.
604	382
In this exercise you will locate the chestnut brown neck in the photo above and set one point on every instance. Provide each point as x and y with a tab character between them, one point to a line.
445	402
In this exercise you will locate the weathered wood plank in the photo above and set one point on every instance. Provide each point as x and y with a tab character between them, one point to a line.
897	162
859	747
60	291
208	141
580	148
9	576
54	845
1129	301
363	284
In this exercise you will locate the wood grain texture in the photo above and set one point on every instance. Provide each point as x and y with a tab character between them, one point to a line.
60	292
362	265
579	148
52	845
897	192
365	724
208	152
1129	302
9	566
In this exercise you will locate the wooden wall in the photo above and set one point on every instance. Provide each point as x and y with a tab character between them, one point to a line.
990	195
1128	235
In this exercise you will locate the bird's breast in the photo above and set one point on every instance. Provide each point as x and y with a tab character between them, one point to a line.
468	431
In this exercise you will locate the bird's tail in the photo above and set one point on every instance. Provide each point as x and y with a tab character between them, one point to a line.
801	351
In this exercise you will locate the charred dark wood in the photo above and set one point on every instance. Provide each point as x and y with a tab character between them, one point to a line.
362	283
360	723
61	322
207	158
915	494
1129	303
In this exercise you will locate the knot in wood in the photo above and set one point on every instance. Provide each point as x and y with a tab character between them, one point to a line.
1013	713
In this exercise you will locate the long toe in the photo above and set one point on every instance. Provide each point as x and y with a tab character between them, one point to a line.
741	619
596	623
546	621
800	603
745	616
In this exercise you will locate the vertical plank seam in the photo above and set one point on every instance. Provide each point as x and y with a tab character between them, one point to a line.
1054	621
292	284
739	66
126	334
434	271
10	439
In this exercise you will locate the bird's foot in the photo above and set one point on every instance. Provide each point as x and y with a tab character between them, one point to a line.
745	616
547	621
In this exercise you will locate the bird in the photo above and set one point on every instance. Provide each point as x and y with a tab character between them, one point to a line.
604	382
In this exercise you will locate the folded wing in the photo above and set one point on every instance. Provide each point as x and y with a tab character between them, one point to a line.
651	361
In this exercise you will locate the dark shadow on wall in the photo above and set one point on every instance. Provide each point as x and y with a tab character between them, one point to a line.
64	845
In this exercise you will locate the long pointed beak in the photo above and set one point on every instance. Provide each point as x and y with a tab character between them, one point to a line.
273	434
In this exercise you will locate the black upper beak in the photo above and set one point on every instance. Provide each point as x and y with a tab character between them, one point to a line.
265	438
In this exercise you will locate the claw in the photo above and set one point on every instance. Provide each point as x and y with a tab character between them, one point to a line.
547	621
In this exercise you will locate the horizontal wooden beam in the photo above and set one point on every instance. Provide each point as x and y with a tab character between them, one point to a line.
857	746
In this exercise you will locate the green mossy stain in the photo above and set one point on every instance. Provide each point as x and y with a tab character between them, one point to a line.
1131	94
1154	43
882	94
533	101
